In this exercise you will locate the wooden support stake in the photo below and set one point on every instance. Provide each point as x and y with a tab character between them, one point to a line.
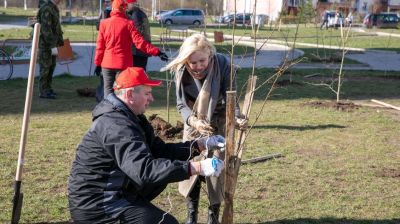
248	101
233	158
230	158
385	104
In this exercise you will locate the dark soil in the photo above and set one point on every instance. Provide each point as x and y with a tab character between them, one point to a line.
165	130
387	172
336	57
86	92
286	82
342	106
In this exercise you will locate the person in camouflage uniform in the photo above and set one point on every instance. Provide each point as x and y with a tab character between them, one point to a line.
41	2
51	37
141	22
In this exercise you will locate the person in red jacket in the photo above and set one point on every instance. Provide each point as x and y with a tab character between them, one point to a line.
113	45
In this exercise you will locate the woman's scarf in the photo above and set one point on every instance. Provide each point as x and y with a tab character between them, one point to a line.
209	91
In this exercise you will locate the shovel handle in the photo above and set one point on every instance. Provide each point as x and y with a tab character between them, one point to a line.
28	102
18	195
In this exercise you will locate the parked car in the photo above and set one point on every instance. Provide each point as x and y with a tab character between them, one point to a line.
228	19
182	17
161	12
381	20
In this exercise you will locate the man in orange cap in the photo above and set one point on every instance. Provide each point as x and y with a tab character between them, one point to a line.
120	166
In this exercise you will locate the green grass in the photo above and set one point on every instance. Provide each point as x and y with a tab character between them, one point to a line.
313	55
339	167
17	12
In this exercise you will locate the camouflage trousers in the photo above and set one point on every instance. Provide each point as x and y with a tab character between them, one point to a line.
47	64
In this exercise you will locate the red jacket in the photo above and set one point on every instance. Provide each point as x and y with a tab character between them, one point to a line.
113	47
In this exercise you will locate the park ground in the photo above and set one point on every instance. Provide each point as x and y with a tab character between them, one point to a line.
340	164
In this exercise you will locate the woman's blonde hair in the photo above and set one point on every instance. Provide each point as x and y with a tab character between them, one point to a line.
196	42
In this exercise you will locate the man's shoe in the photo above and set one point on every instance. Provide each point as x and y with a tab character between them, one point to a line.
52	92
47	95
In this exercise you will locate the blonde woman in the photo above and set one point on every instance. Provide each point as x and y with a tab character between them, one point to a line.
202	78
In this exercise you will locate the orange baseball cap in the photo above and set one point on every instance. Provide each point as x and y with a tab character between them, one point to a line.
118	5
134	76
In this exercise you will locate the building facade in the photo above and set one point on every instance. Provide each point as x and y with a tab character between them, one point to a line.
272	8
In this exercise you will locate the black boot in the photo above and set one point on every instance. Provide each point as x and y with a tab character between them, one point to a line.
213	214
193	204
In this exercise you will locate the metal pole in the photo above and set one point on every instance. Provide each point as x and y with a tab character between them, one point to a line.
244	12
100	7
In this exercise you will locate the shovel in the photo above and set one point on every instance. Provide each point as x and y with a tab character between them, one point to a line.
18	195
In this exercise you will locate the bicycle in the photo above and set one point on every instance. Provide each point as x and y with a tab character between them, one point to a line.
6	65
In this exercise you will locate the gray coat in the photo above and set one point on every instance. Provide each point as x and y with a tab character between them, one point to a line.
186	94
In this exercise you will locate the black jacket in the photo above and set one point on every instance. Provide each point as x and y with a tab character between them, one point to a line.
120	159
142	24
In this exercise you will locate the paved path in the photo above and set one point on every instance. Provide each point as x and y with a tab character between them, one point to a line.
13	25
271	54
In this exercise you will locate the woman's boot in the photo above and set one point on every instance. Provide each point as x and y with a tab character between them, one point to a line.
192	202
213	214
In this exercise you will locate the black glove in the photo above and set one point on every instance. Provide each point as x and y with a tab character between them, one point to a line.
97	71
163	56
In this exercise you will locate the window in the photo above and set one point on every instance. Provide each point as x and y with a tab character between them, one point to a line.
294	3
178	13
196	12
187	12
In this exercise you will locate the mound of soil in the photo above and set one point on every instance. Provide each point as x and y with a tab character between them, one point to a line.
86	92
342	106
386	172
332	58
165	130
287	82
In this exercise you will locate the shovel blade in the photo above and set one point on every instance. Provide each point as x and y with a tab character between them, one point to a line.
17	203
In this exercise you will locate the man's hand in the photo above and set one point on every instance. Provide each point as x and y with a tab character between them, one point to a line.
54	51
97	71
202	126
208	167
212	143
163	56
241	123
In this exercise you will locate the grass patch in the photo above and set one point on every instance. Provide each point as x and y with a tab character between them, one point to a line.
17	12
307	35
324	55
337	167
224	48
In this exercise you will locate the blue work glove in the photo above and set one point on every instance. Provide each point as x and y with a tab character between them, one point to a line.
163	56
97	71
211	167
211	143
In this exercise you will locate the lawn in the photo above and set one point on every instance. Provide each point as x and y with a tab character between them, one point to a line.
338	166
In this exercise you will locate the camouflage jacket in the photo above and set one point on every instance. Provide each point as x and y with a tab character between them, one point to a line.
141	22
51	34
